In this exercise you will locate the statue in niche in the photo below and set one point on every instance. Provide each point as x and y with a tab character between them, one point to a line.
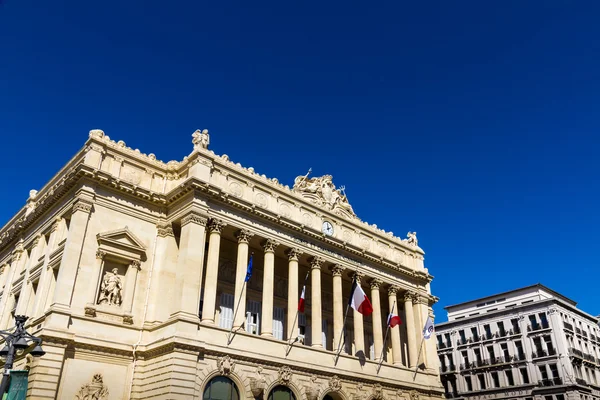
111	289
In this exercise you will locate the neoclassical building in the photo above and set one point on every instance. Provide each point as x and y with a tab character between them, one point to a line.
133	272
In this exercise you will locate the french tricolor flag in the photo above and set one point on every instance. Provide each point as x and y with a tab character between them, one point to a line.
393	320
359	300
301	301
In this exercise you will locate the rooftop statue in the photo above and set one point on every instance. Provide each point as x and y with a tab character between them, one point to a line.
322	191
200	139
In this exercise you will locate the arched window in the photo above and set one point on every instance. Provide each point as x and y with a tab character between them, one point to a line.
281	393
221	388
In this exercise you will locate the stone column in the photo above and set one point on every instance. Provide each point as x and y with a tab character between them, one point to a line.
212	271
190	265
292	308
268	283
395	331
96	278
129	289
359	334
69	265
7	301
338	305
243	237
45	277
26	305
410	329
315	301
376	318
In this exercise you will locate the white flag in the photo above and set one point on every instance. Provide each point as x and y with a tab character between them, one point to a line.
428	329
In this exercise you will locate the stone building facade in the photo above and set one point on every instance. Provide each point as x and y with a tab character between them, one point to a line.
133	271
530	343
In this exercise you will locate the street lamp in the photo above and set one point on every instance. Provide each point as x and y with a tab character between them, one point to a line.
18	340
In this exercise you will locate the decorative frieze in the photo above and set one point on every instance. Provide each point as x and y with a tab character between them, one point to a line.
194	218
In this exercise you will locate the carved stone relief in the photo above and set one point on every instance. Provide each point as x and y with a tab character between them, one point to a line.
322	192
226	365
96	390
285	374
335	384
236	189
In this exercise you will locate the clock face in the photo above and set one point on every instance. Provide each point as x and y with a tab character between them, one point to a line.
327	228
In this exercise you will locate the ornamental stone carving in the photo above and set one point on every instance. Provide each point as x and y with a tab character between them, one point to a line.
377	391
97	133
194	218
164	229
411	238
258	383
315	262
322	192
96	390
226	365
414	395
285	374
393	290
100	254
337	270
312	390
375	283
244	236
81	205
357	276
216	225
294	254
335	384
111	289
136	264
201	139
270	245
409	296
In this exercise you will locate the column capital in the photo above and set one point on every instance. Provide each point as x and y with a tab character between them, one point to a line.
19	249
136	264
357	276
55	224
194	217
337	270
36	241
419	299
293	254
375	283
100	254
315	262
270	245
393	290
164	229
244	236
409	296
82	205
216	225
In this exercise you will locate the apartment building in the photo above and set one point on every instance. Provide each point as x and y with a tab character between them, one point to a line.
529	343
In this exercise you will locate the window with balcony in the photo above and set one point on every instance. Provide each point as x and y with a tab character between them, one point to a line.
447	340
510	380
478	358
543	372
440	342
475	334
491	353
495	379
465	358
533	324
549	345
463	338
524	376
469	383
537	344
520	352
505	352
481	379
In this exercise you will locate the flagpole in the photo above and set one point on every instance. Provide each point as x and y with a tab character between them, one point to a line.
385	338
419	357
290	343
337	356
234	315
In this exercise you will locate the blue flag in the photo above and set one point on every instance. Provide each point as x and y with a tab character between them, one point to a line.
249	271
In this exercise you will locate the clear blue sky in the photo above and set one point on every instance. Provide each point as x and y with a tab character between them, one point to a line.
475	125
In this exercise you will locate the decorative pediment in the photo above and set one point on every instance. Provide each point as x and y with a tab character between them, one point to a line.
121	243
322	192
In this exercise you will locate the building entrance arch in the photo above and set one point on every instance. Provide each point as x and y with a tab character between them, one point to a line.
333	396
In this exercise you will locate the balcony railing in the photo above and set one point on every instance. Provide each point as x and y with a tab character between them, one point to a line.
533	327
576	353
551	382
482	363
584	333
539	353
589	357
466	366
578	331
581	381
568	326
447	368
501	333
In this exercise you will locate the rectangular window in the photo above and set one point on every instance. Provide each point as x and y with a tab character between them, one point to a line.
349	340
481	382
533	323
505	352
537	344
495	379
253	317
543	372
510	380
488	331
324	333
477	355
440	342
447	340
549	345
501	330
515	325
463	338
474	334
465	357
302	328
553	370
543	320
491	353
519	347
226	311
469	383
278	318
524	375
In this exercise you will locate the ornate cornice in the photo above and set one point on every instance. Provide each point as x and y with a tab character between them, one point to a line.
270	245
195	218
293	254
216	225
244	236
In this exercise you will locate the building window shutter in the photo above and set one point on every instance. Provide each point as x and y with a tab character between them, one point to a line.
349	339
278	318
253	317
226	316
302	327
371	345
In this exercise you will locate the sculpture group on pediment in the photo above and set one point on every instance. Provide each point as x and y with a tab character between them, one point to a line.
111	289
322	191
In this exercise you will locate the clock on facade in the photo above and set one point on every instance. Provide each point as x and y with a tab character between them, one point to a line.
327	228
